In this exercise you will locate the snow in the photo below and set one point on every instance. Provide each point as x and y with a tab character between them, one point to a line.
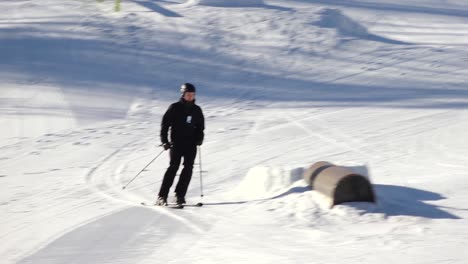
223	3
377	86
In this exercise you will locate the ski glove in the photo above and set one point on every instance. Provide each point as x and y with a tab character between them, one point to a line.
199	142
167	146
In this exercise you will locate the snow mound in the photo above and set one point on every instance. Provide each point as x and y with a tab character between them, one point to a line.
226	3
334	18
346	27
266	182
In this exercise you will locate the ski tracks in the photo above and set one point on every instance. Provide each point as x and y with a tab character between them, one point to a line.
106	180
102	202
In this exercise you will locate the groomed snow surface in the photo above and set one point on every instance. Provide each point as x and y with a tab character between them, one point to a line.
378	86
224	3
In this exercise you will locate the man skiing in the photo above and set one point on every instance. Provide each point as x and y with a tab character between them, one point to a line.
187	123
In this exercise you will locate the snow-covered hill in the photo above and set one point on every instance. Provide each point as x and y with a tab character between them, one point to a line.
379	85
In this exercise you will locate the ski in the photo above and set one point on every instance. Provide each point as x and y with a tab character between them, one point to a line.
190	205
174	205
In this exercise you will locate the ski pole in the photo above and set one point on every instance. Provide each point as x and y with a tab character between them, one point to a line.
201	177
142	170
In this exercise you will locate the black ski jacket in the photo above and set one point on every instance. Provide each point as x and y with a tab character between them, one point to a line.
187	124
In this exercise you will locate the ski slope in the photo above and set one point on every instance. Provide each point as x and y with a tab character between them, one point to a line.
380	86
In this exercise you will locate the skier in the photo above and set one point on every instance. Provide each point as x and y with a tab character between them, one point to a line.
187	124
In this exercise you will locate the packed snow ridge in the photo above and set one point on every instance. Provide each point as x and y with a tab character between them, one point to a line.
334	18
264	182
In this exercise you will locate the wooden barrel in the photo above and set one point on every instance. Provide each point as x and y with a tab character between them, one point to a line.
339	184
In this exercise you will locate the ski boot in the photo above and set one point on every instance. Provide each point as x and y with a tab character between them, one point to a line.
179	200
161	201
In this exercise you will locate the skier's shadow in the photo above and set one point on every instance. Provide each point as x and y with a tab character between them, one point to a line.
392	200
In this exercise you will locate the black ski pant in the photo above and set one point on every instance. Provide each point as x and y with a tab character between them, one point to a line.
188	152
